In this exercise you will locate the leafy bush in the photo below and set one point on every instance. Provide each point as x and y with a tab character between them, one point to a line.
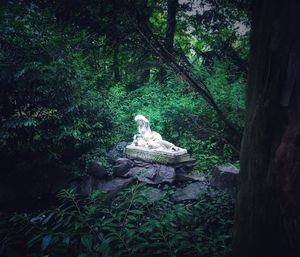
129	225
61	108
51	115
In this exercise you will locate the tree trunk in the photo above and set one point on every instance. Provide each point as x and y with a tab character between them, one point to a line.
170	32
171	24
143	72
267	219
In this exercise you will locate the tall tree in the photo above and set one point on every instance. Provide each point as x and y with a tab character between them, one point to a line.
183	67
171	24
267	221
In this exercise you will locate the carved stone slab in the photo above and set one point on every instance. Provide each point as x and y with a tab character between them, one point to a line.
158	155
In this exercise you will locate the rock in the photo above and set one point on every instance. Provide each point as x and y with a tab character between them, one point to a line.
154	173
86	185
190	177
96	169
224	177
157	174
116	184
149	173
122	167
165	174
154	195
182	170
190	192
135	172
147	176
141	163
117	151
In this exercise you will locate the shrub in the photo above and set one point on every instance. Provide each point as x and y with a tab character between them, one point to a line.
129	225
50	115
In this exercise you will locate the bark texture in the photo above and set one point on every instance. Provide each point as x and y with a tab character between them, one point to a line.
267	220
171	24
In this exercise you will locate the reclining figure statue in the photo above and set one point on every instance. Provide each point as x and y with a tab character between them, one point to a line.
150	139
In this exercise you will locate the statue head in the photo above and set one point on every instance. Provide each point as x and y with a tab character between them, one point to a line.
141	119
143	123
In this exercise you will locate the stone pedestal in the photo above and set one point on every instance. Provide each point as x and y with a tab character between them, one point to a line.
158	155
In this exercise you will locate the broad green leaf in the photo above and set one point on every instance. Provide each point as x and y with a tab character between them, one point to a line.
87	241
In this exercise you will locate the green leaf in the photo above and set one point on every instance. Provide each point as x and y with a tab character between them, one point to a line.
139	212
104	248
20	122
87	241
46	242
131	218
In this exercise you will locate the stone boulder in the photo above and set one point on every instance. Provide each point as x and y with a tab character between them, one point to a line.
135	172
190	192
155	174
113	185
165	174
141	163
96	170
82	185
190	177
122	167
86	186
117	151
224	177
154	195
145	172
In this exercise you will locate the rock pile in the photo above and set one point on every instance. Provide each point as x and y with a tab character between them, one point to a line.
127	170
150	172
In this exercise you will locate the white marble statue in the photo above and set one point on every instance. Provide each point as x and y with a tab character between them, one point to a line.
150	139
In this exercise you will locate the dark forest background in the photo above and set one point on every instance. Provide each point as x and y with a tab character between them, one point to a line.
75	73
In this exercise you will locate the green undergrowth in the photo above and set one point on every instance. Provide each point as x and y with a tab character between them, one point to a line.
127	225
181	116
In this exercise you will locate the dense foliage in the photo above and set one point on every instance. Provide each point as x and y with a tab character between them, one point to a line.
51	113
73	76
131	226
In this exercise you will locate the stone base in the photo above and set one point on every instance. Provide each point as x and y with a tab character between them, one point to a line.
158	156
